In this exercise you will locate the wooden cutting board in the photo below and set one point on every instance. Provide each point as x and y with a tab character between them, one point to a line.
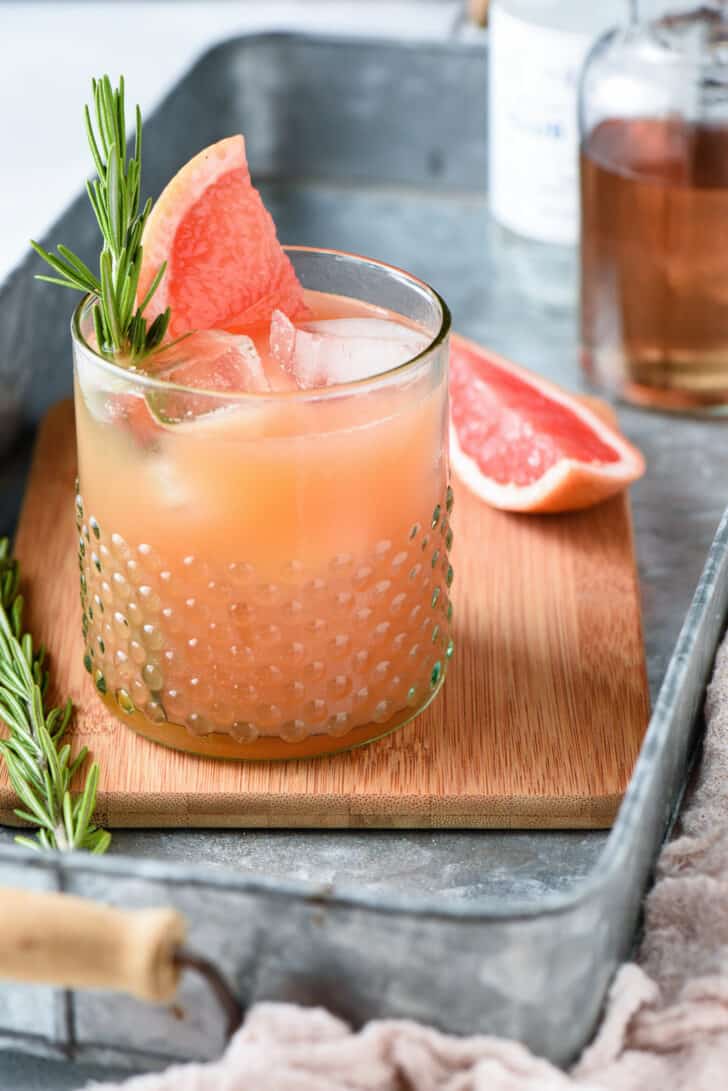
539	723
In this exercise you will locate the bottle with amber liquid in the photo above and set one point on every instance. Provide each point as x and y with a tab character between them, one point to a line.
653	116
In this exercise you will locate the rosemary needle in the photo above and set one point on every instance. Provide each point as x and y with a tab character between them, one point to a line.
38	761
120	325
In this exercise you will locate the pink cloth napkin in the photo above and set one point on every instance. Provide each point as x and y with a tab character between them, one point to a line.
665	1028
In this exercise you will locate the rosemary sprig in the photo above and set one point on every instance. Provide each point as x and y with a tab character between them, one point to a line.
119	323
38	761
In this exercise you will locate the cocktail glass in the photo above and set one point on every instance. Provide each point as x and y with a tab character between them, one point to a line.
267	575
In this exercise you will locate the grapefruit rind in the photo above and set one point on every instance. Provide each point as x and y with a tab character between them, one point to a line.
569	484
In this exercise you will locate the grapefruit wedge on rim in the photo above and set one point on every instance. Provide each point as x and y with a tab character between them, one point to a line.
521	443
226	269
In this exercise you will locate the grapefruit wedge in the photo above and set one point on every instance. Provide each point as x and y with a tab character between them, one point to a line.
226	269
521	443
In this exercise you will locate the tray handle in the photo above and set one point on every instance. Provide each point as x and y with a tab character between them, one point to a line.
59	939
76	943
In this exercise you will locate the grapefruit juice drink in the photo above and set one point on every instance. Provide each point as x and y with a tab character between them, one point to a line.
266	573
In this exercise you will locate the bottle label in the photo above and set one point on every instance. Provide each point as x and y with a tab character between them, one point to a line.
534	138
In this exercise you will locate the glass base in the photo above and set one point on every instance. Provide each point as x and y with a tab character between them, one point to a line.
266	747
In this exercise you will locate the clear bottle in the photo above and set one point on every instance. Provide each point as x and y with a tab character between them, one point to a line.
537	48
654	183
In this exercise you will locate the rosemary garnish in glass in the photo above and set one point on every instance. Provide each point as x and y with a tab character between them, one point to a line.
38	761
119	322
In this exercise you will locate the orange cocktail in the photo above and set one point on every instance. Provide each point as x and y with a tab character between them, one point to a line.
266	574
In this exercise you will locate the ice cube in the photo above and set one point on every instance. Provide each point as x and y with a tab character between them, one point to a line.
342	350
207	360
282	339
380	329
212	360
170	483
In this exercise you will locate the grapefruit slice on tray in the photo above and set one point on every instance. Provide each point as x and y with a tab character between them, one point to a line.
225	267
521	443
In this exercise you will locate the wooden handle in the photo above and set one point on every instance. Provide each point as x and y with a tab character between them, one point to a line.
57	939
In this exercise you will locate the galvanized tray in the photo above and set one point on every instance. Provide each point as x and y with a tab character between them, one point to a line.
381	148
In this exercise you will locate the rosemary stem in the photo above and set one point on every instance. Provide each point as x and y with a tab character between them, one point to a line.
34	751
119	322
59	833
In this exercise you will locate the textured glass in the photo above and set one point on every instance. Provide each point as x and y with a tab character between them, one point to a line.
216	650
275	569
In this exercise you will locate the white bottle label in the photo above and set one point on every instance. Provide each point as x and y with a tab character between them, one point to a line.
534	139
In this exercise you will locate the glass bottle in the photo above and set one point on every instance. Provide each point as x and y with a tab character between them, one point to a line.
653	116
536	50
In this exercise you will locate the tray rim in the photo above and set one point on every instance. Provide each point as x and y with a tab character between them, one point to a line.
451	44
484	907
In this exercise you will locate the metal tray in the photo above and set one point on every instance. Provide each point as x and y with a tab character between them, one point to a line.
381	148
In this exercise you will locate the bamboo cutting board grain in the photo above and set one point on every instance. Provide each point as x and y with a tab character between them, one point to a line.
539	723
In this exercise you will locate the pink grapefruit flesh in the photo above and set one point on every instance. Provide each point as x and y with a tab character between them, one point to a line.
521	443
225	267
